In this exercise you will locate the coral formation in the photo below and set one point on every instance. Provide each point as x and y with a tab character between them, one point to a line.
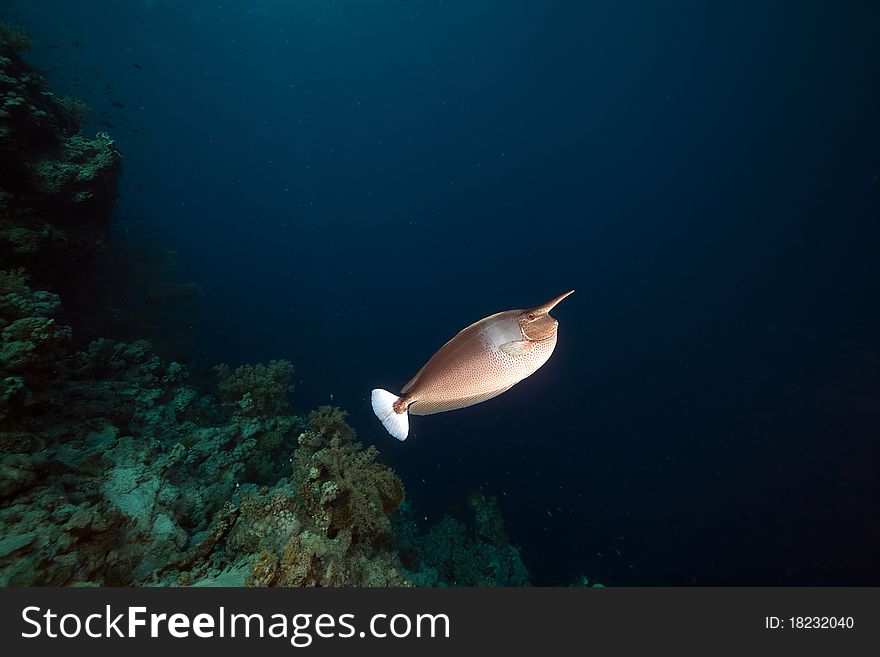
343	487
15	37
450	554
58	186
57	190
255	390
325	524
117	469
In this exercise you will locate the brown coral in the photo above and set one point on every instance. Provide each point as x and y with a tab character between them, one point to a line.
344	487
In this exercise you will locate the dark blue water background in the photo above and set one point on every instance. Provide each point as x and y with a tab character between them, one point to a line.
350	183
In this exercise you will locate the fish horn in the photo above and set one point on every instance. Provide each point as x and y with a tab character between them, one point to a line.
547	307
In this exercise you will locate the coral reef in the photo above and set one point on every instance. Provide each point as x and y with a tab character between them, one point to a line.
101	457
58	186
15	37
335	522
256	390
343	487
450	554
325	524
115	471
116	468
57	191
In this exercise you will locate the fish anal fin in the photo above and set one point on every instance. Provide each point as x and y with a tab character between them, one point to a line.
428	407
517	348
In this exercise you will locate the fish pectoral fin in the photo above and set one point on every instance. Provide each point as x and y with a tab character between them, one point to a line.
517	348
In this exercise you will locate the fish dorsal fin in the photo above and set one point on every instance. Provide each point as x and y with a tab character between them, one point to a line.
517	348
445	349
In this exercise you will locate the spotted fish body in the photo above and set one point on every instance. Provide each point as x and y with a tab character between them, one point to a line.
472	367
484	360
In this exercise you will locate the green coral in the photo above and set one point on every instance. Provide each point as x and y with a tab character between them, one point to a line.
487	518
32	342
256	390
57	186
77	176
14	38
256	395
14	281
18	301
30	339
76	110
452	554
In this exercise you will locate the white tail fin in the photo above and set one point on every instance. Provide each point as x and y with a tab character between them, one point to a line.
396	423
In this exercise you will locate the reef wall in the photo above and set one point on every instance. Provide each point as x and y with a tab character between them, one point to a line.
57	186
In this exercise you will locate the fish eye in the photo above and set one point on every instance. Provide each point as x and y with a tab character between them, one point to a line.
531	317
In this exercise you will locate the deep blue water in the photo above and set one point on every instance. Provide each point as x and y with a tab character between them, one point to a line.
352	182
